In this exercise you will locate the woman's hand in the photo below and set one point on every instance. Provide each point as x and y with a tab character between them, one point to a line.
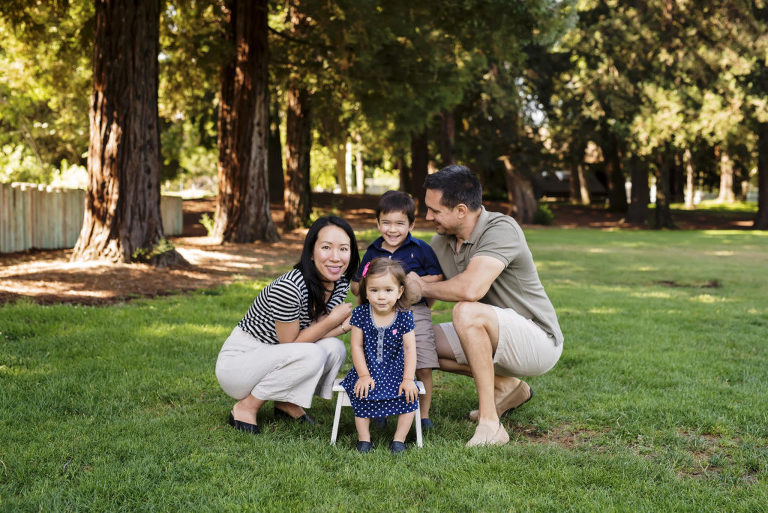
363	386
340	313
409	388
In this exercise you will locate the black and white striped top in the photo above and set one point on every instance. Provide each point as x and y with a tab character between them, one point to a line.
285	299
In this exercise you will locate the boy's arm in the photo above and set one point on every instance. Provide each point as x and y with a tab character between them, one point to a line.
431	278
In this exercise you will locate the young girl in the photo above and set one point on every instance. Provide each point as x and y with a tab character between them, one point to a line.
383	345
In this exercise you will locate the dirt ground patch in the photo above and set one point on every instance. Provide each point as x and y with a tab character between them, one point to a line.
49	277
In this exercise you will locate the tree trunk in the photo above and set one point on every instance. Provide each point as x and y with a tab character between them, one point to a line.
419	164
242	209
298	140
275	158
677	180
447	137
617	192
405	173
122	221
761	219
689	176
637	213
726	194
520	193
586	197
574	185
359	167
340	156
662	217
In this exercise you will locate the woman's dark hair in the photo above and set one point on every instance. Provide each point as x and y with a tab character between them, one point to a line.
317	303
458	185
383	265
396	201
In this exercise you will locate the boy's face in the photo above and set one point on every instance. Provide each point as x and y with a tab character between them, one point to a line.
394	228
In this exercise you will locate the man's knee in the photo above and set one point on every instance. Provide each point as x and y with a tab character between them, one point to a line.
466	315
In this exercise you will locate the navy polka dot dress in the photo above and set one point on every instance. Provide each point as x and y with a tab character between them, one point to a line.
384	356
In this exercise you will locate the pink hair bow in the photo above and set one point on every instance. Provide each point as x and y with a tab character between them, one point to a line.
365	269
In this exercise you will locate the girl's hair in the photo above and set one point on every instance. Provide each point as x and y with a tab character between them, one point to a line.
385	266
317	303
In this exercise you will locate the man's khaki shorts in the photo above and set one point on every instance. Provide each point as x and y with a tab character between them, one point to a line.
524	348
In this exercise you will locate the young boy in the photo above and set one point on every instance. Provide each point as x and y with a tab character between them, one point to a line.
395	218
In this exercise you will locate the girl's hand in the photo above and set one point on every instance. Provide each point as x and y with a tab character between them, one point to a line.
363	386
409	388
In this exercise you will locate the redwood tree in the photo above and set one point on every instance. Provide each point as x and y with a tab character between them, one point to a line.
242	210
122	216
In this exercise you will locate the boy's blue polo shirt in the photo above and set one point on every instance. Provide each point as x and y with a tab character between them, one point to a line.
414	254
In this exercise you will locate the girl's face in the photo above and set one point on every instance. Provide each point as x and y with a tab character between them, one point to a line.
332	252
383	291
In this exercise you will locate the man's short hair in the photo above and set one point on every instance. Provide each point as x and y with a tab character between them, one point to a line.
396	201
458	185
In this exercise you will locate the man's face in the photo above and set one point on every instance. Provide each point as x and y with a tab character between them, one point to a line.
445	219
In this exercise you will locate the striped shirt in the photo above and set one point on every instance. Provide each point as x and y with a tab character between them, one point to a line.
285	300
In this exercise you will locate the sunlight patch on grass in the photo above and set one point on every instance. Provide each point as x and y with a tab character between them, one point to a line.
604	310
653	294
709	299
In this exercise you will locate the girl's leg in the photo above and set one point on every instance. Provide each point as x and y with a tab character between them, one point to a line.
425	401
363	429
404	421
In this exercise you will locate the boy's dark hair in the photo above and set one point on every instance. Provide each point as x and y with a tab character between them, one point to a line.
458	185
383	265
396	201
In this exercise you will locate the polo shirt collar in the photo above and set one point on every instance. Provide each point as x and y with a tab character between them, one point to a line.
479	228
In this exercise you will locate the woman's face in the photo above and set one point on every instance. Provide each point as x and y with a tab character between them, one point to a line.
331	253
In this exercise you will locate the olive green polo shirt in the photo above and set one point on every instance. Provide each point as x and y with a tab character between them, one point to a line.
518	286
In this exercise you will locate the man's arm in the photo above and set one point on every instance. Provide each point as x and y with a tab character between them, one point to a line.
470	285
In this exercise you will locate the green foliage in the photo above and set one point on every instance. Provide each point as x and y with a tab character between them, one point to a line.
544	215
657	403
208	222
145	255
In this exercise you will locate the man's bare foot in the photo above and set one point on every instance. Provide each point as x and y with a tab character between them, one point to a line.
489	434
508	393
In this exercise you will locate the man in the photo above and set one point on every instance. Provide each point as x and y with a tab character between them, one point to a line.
503	322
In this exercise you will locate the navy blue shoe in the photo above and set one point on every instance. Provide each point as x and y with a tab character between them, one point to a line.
303	419
379	422
427	424
243	426
397	447
364	447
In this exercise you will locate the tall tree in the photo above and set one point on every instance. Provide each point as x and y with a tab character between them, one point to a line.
122	216
242	209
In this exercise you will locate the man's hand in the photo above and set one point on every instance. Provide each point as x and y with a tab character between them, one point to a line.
413	287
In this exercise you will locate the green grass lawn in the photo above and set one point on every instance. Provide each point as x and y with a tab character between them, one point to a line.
657	404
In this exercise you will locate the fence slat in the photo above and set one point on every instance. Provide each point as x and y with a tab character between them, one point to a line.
36	216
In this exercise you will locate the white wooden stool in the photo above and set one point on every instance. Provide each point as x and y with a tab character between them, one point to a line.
343	400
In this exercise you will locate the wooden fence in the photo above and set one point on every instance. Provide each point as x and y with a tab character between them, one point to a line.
45	217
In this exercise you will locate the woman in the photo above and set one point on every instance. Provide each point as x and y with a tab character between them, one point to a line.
286	348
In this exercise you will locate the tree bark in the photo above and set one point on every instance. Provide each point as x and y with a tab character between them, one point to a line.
405	173
520	192
662	217
419	165
242	209
122	221
359	166
617	192
340	156
637	213
761	219
447	137
689	176
298	139
275	158
726	194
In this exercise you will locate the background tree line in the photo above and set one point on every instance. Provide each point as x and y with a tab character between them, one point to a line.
254	92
